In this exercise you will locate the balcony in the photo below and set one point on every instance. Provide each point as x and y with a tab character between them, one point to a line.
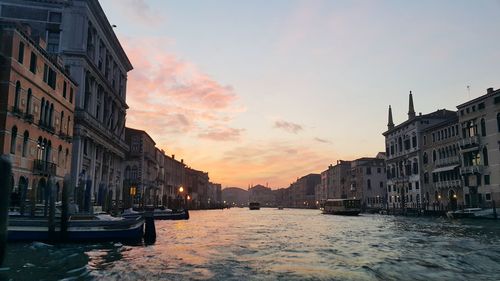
454	160
470	141
447	184
471	169
41	167
29	118
16	111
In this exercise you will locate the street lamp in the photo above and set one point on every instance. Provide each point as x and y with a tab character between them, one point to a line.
181	189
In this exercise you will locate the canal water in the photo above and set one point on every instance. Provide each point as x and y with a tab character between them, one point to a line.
271	244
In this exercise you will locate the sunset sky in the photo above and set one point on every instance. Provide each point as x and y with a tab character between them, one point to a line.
268	91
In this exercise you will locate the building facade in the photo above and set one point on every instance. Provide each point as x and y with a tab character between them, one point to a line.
80	33
368	182
36	115
340	186
479	123
404	156
442	184
141	169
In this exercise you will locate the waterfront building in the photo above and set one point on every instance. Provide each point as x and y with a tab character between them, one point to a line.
214	195
141	169
479	123
326	185
36	115
261	194
403	144
301	192
80	33
442	185
235	196
196	188
340	186
368	181
175	177
160	177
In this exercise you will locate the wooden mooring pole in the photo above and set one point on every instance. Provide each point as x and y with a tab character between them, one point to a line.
65	208
5	189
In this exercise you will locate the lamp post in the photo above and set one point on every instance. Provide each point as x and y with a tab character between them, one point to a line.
179	196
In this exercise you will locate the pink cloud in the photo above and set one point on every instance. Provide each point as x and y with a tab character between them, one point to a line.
170	96
288	126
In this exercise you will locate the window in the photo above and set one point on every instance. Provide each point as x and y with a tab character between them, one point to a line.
486	179
59	155
379	170
425	140
480	106
425	158
66	158
415	168
498	121
55	17
488	196
400	144
417	185
497	99
71	95
433	137
45	73
61	120
33	63
42	111
85	147
52	79
485	156
64	89
368	170
28	102
407	144
25	143
433	156
426	177
20	55
414	141
17	95
369	184
53	42
13	137
483	127
381	184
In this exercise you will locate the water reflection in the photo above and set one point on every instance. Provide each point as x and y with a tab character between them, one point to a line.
278	245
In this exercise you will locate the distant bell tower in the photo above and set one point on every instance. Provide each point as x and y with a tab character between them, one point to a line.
390	124
411	109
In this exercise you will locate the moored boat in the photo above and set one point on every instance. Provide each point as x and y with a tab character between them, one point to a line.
254	206
476	213
81	228
346	207
159	214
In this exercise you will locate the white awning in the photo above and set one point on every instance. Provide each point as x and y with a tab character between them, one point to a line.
444	169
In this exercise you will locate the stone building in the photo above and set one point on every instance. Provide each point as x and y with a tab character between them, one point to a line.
175	177
79	31
141	169
36	114
340	186
442	185
368	181
261	194
301	192
196	188
403	144
479	123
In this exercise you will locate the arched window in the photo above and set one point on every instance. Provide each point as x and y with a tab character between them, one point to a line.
425	158
59	155
17	95
61	122
415	168
25	143
400	144
483	127
42	111
28	102
48	151
433	156
47	112
13	137
51	115
485	156
133	173
66	159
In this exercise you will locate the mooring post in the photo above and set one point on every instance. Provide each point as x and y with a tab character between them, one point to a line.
65	208
5	187
149	229
52	209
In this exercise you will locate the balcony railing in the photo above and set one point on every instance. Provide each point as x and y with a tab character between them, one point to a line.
16	111
41	167
471	169
470	141
29	117
448	161
447	184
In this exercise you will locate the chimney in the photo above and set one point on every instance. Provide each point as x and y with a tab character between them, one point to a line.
173	156
182	161
489	90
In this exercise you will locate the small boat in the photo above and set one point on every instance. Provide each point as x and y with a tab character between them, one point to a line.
280	207
159	214
345	207
81	228
476	213
254	206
